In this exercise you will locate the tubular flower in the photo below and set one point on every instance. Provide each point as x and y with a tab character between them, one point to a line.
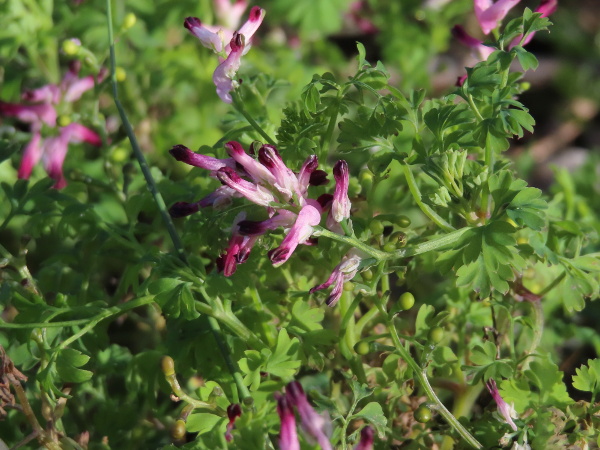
489	13
504	408
268	182
344	271
42	115
288	437
229	45
313	423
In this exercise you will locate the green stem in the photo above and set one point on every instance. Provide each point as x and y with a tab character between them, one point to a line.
353	242
427	210
328	136
421	376
239	106
150	182
474	108
237	376
22	269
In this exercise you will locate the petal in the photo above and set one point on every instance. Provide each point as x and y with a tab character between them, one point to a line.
464	38
208	38
366	439
288	437
284	218
76	88
34	114
255	18
54	152
252	192
312	422
302	229
46	94
184	154
230	14
340	208
31	156
306	172
226	71
76	132
256	170
489	14
286	181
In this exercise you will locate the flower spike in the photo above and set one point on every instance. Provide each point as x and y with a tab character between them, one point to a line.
503	408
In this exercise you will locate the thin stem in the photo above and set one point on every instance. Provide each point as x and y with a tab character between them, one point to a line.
474	108
427	210
239	106
328	136
421	376
41	434
22	269
150	182
237	376
377	254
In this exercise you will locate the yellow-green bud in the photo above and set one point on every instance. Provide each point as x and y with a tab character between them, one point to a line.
168	366
120	74
70	47
129	21
63	120
119	154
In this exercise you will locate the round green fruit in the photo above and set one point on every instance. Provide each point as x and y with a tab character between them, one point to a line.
422	414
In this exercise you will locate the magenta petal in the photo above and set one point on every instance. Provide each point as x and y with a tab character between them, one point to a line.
256	170
251	191
31	156
312	422
286	181
208	38
308	218
366	439
75	89
255	18
288	437
489	14
340	208
230	14
503	408
53	157
184	154
46	94
224	74
76	132
33	114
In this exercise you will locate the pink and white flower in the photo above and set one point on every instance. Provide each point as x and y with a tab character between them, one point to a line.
229	45
42	114
344	271
506	410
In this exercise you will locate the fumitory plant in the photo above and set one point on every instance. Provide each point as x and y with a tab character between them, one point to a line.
347	264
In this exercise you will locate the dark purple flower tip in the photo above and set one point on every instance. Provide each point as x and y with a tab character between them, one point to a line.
265	156
227	175
234	411
255	14
295	392
28	96
278	255
318	178
234	148
191	22
366	439
312	241
325	200
461	80
183	209
251	228
311	163
75	66
181	153
340	170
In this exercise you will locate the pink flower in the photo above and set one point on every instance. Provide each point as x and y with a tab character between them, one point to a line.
267	181
489	13
483	51
344	271
288	437
340	208
53	150
504	408
230	14
366	439
308	217
316	425
229	45
233	412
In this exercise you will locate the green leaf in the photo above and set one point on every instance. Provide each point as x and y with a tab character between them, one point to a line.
527	60
548	380
373	413
283	362
587	378
202	423
67	364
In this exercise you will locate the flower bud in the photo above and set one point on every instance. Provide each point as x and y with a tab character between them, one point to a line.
168	366
71	47
120	74
129	21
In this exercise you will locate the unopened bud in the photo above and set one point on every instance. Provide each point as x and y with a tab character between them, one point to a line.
129	21
168	366
120	74
71	47
63	120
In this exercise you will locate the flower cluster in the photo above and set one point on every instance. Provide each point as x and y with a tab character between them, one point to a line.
228	44
41	112
268	182
316	426
489	14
